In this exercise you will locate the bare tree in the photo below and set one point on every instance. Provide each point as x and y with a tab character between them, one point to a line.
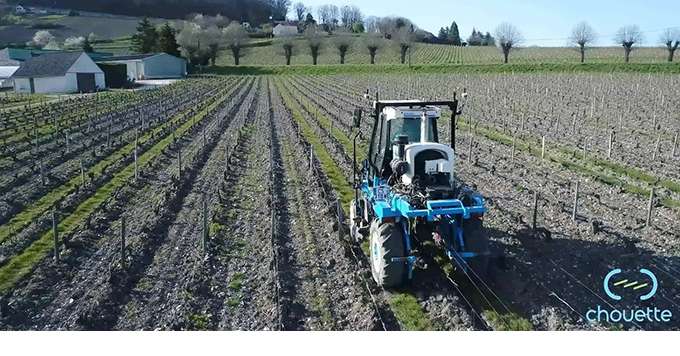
188	38
371	24
373	42
343	42
390	26
314	38
212	38
323	13
333	16
279	9
74	42
287	44
508	37
42	38
671	38
582	35
628	36
235	37
300	11
404	37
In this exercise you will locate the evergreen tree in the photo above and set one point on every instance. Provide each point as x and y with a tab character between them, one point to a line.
443	34
309	21
489	40
454	34
87	47
167	42
146	38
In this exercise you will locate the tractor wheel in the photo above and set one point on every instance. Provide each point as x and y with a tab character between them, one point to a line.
387	242
477	241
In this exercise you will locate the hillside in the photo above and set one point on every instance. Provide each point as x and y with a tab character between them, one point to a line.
62	26
253	11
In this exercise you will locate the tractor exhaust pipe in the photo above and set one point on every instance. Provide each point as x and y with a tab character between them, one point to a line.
452	122
423	127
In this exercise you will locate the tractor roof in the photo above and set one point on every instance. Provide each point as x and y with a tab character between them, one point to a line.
411	112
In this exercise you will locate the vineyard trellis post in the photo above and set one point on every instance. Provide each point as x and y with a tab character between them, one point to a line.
206	232
136	144
650	207
55	234
675	145
611	143
179	163
108	134
585	148
543	147
82	174
512	153
122	241
656	147
472	138
534	217
574	212
338	207
42	172
226	157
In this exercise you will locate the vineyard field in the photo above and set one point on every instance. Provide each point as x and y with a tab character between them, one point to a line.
221	202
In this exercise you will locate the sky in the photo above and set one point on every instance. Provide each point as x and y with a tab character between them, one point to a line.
542	22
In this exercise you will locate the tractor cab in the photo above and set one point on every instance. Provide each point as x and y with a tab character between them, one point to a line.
405	147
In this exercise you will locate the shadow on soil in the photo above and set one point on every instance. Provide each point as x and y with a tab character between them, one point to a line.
545	272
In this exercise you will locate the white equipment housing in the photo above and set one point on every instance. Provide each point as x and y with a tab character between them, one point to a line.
427	115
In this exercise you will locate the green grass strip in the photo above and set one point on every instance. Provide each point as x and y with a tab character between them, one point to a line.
40	207
22	264
331	170
345	141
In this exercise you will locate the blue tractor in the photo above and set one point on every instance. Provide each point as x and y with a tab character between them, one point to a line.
406	193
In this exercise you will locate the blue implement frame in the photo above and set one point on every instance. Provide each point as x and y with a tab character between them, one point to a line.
389	205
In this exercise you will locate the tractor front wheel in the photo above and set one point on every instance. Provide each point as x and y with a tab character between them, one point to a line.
387	242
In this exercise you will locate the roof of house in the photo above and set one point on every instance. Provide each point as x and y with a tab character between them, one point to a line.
48	65
22	54
9	63
286	25
6	72
131	57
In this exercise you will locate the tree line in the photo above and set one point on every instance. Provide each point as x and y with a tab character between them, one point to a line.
583	36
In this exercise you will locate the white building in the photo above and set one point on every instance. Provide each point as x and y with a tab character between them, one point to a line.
6	73
282	30
151	66
61	72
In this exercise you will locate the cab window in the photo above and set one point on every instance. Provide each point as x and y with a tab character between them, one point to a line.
410	128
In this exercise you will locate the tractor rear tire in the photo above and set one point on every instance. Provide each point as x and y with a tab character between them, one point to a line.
477	241
387	242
